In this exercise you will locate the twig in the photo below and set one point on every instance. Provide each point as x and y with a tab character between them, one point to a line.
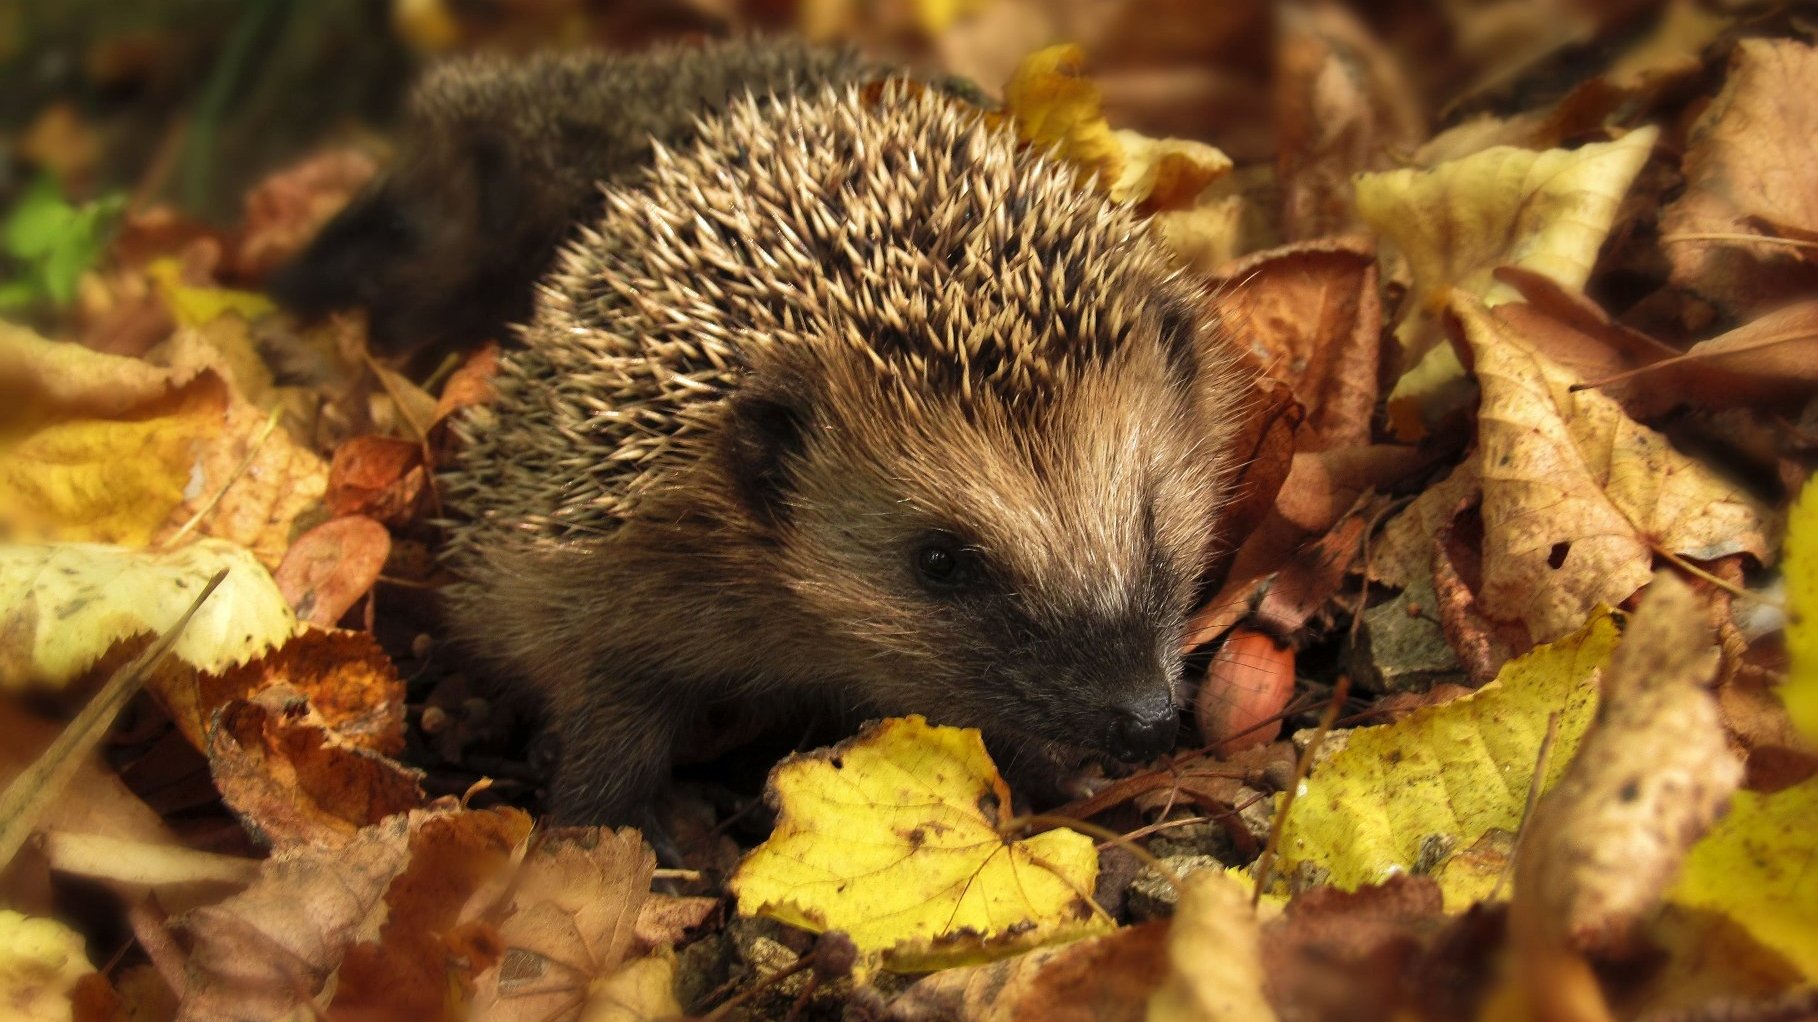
23	803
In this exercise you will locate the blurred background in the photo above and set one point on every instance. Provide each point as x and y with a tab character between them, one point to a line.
191	101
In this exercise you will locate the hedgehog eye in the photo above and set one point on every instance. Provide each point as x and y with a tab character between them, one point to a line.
943	564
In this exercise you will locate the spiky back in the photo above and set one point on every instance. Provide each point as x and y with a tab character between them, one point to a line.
894	227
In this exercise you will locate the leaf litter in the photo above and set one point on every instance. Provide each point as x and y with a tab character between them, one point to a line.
1532	305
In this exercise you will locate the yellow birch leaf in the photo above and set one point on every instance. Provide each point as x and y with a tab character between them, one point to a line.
1445	775
1800	692
1759	866
895	838
1456	223
41	961
63	607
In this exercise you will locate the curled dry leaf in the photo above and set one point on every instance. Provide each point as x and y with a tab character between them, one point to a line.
284	211
1336	954
1311	316
1577	496
1215	971
382	477
379	912
352	686
896	838
1749	162
1246	686
1648	779
293	780
41	964
328	568
64	607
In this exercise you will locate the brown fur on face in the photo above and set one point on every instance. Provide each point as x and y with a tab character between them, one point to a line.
836	331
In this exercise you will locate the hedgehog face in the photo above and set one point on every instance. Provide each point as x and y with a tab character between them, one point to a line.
1000	562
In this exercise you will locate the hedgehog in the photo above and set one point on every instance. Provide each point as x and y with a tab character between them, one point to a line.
499	159
852	398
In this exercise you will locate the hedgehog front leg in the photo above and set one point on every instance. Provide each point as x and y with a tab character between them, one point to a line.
616	749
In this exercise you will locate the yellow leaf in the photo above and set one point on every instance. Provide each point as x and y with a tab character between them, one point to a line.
63	607
197	307
1447	774
1544	211
41	961
1801	573
1055	104
1757	866
95	447
894	838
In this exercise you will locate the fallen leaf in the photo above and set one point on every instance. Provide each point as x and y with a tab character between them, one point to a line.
63	607
284	211
1648	779
1335	954
639	992
1755	867
382	477
569	923
1577	496
1054	105
895	838
328	568
1544	211
41	963
1107	978
1444	775
1215	971
1747	163
1310	315
292	780
1800	570
1163	175
97	447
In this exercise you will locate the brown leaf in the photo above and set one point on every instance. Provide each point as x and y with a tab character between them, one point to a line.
328	568
381	477
571	919
1342	106
1215	968
1749	161
1337	954
1649	778
293	780
1311	316
1577	496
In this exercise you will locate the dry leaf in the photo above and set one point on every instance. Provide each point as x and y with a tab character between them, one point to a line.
1310	315
1099	979
1749	161
1577	496
1215	969
382	477
293	781
328	568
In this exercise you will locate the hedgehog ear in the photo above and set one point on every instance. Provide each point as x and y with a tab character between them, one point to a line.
765	430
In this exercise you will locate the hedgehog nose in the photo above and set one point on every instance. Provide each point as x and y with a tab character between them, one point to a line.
1144	728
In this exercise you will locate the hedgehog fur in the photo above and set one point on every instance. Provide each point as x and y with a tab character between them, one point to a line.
854	396
500	157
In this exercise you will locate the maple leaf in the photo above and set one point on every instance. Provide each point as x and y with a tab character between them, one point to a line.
895	838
